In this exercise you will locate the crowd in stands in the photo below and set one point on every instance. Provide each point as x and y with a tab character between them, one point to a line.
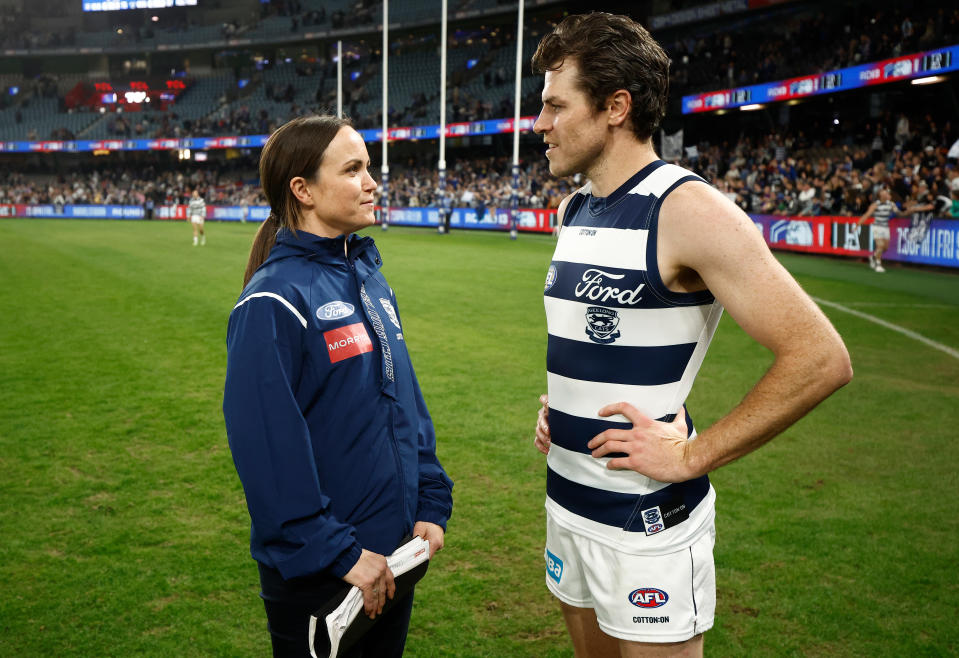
125	185
478	183
811	42
785	173
805	41
16	30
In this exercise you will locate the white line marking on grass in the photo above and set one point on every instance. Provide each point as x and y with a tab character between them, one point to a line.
889	325
895	305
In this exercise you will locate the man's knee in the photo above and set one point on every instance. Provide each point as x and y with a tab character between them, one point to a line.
691	648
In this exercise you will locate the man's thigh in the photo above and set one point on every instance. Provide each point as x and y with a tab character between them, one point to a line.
589	641
637	598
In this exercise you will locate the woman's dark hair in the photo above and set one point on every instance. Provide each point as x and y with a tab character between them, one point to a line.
612	52
295	149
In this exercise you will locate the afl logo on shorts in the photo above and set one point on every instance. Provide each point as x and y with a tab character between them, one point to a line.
648	597
550	277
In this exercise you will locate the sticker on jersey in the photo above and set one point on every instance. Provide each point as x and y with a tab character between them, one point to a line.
554	567
349	341
601	324
653	520
550	277
390	311
335	311
648	597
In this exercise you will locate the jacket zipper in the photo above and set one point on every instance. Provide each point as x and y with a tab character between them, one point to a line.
387	357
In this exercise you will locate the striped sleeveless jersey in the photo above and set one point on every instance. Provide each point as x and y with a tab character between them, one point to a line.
616	333
884	210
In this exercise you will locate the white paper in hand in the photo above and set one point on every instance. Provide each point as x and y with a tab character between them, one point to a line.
409	555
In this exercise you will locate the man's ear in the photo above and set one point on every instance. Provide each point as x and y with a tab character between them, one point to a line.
301	191
619	105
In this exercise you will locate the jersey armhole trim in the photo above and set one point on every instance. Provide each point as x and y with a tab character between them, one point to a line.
653	278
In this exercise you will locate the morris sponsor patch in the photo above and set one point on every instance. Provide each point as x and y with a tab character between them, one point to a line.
345	342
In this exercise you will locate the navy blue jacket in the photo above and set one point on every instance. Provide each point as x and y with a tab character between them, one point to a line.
328	428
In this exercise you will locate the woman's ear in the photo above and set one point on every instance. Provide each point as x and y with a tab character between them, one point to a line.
301	191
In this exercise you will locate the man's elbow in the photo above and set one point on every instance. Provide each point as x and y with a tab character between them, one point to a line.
836	367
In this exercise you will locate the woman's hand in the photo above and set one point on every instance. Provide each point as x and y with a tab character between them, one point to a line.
430	532
374	578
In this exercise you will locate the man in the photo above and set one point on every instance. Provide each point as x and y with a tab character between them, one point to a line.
881	211
647	258
196	210
922	207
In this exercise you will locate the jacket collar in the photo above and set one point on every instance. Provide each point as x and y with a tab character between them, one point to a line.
324	250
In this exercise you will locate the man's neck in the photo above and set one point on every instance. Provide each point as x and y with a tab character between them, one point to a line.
619	162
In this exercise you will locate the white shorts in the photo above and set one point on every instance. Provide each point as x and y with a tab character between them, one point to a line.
197	219
880	232
642	598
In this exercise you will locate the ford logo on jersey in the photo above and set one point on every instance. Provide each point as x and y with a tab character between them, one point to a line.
648	597
335	311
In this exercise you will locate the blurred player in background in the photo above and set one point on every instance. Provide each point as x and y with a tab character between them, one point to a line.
648	257
881	210
196	211
922	208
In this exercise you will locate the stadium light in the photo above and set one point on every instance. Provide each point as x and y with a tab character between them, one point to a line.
751	107
932	79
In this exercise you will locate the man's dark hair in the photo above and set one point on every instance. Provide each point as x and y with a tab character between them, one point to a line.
612	52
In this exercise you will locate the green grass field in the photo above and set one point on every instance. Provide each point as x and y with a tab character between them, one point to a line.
124	531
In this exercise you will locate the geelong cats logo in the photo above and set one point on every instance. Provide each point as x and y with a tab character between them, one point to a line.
601	324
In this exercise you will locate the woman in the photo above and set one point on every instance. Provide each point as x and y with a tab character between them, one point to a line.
329	431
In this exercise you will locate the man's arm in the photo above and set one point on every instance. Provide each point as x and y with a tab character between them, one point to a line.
542	440
706	241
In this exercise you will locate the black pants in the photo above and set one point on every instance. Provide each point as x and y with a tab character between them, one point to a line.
289	604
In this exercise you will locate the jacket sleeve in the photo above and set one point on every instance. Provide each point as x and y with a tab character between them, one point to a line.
292	525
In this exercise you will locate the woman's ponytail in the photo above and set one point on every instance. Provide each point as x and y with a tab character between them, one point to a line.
262	243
